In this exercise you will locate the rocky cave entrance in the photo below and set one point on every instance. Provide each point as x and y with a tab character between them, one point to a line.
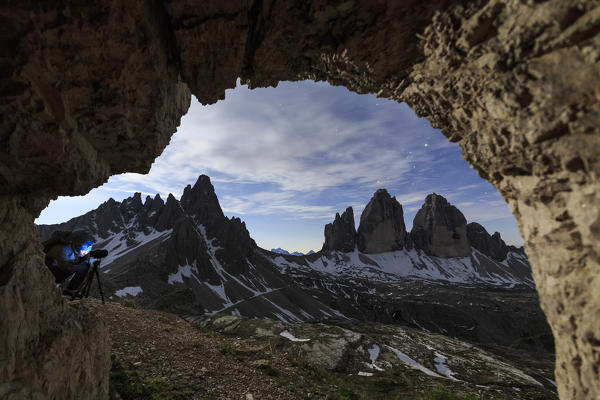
93	91
287	159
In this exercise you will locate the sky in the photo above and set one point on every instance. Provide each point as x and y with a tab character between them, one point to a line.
286	159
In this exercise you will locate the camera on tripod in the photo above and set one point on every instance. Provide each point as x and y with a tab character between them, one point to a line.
100	253
84	291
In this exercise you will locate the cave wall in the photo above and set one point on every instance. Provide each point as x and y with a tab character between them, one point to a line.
86	91
89	90
517	85
48	349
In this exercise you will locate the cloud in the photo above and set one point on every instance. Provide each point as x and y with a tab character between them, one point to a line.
414	197
467	187
483	212
311	142
273	203
308	150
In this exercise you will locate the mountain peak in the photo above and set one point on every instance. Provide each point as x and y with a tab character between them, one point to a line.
434	198
381	192
481	240
134	203
440	229
137	196
341	234
497	237
202	181
279	250
201	201
382	225
157	202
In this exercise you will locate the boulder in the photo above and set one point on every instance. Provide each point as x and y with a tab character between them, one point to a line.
331	348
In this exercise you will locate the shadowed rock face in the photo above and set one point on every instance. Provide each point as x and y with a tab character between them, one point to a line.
381	226
94	89
201	201
492	246
341	233
440	229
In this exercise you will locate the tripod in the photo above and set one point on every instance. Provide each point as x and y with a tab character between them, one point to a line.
84	291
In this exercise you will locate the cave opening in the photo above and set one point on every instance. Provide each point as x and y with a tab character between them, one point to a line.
514	83
286	159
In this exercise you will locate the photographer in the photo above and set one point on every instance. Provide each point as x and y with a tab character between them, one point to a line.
70	255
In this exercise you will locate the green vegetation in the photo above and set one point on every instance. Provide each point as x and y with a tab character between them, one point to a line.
130	386
385	385
347	393
440	394
269	370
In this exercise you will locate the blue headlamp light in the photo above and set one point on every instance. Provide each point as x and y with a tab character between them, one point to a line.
85	248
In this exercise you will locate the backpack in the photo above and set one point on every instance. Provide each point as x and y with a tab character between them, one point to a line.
57	237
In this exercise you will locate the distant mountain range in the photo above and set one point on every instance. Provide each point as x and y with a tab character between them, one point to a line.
185	256
279	250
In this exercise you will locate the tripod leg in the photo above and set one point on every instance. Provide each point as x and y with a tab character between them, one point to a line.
99	284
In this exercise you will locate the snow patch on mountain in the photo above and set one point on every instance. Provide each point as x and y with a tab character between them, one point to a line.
286	334
373	356
129	291
414	264
412	363
183	271
439	362
117	244
219	290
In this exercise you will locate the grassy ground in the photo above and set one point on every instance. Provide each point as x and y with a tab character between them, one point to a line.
126	384
157	356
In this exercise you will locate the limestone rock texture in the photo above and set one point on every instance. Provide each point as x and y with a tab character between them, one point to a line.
90	89
515	84
87	91
341	233
382	226
48	349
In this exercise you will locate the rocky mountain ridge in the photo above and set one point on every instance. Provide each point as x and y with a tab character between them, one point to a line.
439	229
293	253
186	257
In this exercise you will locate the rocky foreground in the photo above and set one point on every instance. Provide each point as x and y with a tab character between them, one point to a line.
230	357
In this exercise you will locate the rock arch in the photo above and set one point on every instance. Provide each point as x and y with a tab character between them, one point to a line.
90	90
